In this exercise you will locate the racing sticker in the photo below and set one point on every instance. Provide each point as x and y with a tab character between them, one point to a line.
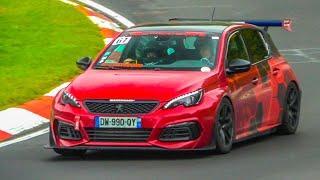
121	40
104	57
205	69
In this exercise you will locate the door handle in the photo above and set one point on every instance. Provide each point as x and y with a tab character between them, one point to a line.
255	81
275	71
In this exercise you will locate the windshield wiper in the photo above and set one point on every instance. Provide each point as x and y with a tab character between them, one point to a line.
154	68
135	68
108	67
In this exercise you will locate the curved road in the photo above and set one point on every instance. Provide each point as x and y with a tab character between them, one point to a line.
270	157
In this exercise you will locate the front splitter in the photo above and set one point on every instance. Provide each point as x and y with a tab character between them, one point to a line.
126	148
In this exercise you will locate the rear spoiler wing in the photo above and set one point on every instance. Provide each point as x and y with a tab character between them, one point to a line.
286	24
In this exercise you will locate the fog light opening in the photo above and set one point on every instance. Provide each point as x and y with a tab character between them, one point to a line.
180	132
67	131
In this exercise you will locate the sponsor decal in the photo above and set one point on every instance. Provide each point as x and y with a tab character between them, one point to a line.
205	69
121	40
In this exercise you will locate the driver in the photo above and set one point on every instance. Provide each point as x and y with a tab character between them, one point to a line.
151	56
204	48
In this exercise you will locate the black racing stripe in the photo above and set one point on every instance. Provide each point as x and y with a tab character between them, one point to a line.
281	99
263	68
259	114
281	94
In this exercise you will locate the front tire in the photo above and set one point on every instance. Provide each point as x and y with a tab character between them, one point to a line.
291	112
224	127
64	152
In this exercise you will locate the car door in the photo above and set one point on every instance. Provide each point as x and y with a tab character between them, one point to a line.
259	56
280	76
241	86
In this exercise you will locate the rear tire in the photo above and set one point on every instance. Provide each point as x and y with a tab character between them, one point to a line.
224	127
291	112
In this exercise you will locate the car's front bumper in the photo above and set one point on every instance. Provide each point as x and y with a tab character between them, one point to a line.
203	114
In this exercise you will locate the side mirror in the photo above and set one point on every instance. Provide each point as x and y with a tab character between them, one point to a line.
239	65
84	63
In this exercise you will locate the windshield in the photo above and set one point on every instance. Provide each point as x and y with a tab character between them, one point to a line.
161	50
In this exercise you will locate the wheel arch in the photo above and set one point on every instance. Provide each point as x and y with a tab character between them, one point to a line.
234	114
229	99
295	82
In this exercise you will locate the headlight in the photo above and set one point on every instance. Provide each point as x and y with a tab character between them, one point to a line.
187	100
67	98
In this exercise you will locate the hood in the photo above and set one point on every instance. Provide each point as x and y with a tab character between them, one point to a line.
136	84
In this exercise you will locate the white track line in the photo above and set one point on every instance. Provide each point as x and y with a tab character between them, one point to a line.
101	23
304	53
283	50
23	138
55	91
107	40
108	11
69	2
17	120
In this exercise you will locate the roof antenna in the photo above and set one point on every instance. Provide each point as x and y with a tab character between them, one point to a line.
212	16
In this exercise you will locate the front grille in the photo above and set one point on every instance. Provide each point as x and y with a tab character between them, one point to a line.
116	134
67	131
110	107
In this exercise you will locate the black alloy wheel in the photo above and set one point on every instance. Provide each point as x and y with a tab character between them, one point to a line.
224	127
291	114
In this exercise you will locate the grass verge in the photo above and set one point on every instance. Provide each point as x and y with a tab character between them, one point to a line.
39	44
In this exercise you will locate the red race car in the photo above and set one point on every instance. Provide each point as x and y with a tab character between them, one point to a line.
183	85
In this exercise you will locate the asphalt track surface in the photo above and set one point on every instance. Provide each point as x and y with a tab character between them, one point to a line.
271	157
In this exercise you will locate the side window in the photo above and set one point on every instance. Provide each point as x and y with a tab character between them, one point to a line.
236	48
255	45
272	46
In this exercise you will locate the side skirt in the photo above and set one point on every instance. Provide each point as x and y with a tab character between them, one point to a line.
258	134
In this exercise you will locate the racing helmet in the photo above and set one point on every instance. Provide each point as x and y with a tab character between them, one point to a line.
151	53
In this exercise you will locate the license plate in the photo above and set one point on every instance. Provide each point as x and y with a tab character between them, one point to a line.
117	122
